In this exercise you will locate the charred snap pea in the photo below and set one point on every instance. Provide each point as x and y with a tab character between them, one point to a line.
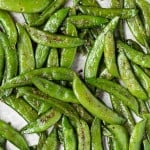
53	40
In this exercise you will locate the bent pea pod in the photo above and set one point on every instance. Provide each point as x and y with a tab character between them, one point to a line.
53	40
29	6
43	122
93	105
54	90
13	136
86	21
53	73
134	55
94	56
108	12
9	27
117	90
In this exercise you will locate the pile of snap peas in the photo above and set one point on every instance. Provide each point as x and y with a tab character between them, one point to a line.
39	82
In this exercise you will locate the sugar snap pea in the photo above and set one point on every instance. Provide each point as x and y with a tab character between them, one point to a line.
53	40
13	136
43	108
51	26
42	139
94	56
89	3
30	18
137	135
129	79
146	116
2	61
117	90
96	135
135	56
108	12
54	90
43	122
70	141
93	105
86	21
51	141
29	6
146	144
9	27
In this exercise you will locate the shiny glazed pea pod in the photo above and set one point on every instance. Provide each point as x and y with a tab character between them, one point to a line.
51	141
129	79
12	135
70	141
120	136
137	136
93	105
54	90
53	73
53	40
86	21
108	12
9	27
29	6
43	122
135	56
117	90
94	56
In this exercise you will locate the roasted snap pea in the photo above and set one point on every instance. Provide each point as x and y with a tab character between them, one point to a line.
54	90
96	135
134	55
86	21
53	40
43	108
51	26
94	56
9	27
108	12
137	135
9	133
117	90
70	141
29	6
93	105
43	122
128	77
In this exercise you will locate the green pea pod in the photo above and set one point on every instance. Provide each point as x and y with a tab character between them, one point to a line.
23	108
94	56
30	18
53	40
96	139
53	7
68	54
51	26
136	26
43	122
83	134
70	141
134	55
43	108
108	12
25	51
89	3
116	3
86	21
144	6
109	54
51	141
120	108
24	5
93	105
12	135
146	144
9	27
120	136
2	62
53	59
54	90
117	90
129	79
2	142
42	139
147	129
137	136
53	73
